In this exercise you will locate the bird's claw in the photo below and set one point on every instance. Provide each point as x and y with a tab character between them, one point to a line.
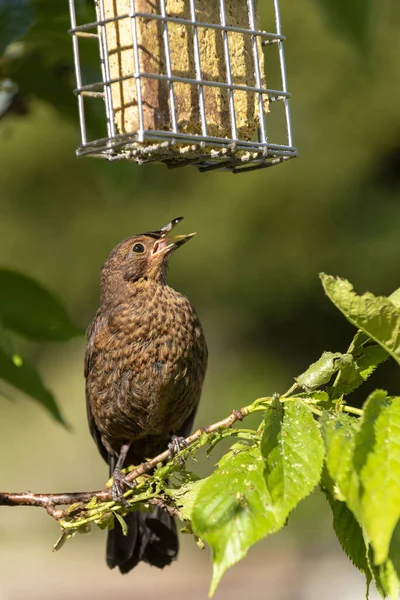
176	445
119	483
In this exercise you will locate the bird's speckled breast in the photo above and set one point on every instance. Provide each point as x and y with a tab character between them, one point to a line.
148	368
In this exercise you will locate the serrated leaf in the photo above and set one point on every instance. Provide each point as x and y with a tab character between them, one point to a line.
378	317
367	356
16	17
350	18
30	310
233	510
385	577
322	371
236	448
380	478
185	496
365	437
349	532
353	375
338	431
365	465
24	377
394	550
348	442
293	452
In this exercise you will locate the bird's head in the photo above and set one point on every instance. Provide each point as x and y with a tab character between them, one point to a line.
142	257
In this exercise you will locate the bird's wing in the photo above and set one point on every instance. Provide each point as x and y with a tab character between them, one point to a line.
98	324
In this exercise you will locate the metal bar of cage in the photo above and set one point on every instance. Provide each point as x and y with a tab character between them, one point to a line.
174	147
75	47
198	69
168	19
169	70
258	74
283	71
278	94
105	66
137	75
228	71
194	138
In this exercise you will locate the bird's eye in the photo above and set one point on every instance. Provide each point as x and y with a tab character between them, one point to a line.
138	248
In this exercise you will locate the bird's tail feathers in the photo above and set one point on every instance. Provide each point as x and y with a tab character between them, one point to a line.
151	538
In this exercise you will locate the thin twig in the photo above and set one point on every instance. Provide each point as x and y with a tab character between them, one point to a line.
292	389
352	410
174	512
236	415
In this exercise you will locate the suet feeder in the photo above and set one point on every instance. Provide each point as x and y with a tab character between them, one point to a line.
184	82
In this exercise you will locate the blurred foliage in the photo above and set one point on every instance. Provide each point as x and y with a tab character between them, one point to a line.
352	19
29	310
16	371
16	16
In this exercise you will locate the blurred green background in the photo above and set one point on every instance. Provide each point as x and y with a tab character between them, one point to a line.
251	272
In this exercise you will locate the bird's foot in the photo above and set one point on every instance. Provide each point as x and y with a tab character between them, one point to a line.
176	445
119	483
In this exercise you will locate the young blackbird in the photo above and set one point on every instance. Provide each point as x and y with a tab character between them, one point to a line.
145	363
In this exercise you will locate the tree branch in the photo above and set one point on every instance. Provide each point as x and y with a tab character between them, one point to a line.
50	501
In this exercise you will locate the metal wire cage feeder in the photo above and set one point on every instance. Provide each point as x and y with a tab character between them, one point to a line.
183	82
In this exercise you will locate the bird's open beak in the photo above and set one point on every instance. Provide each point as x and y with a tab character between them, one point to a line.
167	244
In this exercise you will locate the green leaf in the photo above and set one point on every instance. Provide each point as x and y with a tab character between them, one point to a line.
365	437
185	496
385	577
322	371
364	462
66	535
348	443
16	17
380	478
394	550
233	510
318	397
348	532
30	310
106	520
353	541
23	376
395	297
293	452
338	432
122	522
353	375
350	18
367	356
378	317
